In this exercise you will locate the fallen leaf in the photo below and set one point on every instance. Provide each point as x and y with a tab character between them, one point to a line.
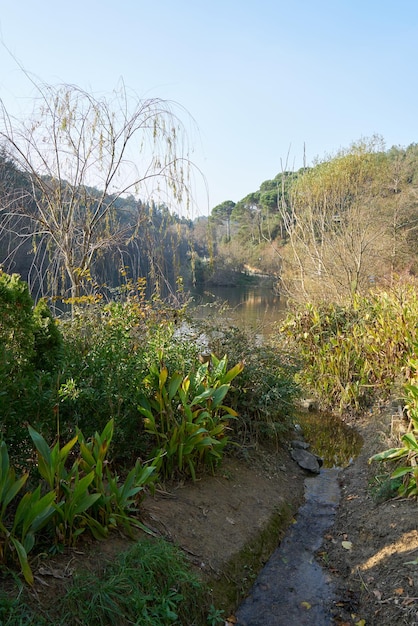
347	545
231	620
410	582
306	605
361	622
398	591
378	594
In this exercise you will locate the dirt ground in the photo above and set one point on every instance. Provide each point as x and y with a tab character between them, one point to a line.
215	518
228	525
375	580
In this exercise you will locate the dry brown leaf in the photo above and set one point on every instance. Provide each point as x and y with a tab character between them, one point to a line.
398	591
378	594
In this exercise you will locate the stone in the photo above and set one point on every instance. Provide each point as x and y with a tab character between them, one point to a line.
301	445
306	460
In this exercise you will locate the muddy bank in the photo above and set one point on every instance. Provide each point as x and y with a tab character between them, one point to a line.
230	524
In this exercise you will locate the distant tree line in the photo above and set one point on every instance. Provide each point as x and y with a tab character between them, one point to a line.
332	230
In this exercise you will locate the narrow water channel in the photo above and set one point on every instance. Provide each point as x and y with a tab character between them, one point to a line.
293	589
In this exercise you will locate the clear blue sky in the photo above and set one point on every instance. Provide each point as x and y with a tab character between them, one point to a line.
260	77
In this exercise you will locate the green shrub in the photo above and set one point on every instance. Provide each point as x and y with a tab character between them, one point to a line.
355	352
30	346
16	324
186	415
48	341
405	457
264	394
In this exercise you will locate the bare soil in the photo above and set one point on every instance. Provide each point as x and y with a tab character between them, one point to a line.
229	524
375	581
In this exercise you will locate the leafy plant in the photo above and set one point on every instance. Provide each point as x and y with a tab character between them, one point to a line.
186	415
264	394
18	529
71	488
407	472
354	352
118	502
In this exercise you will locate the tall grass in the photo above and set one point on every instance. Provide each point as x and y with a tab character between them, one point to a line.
356	352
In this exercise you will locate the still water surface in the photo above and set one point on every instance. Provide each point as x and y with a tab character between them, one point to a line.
255	309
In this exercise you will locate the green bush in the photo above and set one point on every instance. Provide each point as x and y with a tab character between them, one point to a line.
48	341
30	362
405	456
265	393
186	415
16	325
356	352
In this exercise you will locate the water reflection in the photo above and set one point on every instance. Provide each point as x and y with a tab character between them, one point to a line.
330	438
255	309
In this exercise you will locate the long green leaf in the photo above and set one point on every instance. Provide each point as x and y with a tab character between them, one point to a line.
174	385
220	394
65	450
14	489
86	502
410	441
401	471
23	560
233	372
391	454
40	444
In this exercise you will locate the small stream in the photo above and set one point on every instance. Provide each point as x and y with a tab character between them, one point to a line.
293	589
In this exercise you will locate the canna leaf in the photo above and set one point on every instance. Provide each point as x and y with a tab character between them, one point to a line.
65	450
391	454
233	372
410	441
23	560
163	377
174	385
219	394
86	502
40	444
401	471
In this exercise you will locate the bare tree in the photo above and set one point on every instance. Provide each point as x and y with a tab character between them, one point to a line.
81	155
339	224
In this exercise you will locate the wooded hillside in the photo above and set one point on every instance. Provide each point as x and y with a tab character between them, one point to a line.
331	230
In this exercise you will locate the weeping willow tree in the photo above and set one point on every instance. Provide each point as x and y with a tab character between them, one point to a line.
80	156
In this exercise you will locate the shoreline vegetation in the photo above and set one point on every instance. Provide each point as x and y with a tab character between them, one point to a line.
109	404
102	410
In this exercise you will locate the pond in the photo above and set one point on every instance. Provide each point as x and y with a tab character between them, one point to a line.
252	308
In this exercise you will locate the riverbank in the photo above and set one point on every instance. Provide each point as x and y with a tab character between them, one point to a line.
366	553
229	524
369	550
